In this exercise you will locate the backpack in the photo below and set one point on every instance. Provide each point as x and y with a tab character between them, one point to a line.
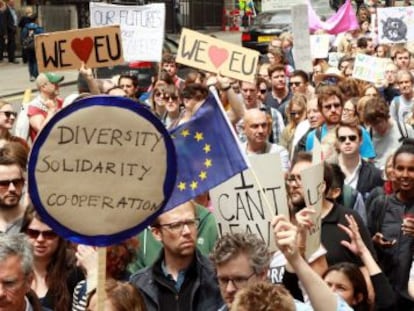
28	42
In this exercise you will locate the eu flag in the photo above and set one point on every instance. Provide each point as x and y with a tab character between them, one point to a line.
207	153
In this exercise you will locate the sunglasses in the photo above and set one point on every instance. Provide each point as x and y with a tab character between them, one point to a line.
47	234
343	139
17	182
158	94
329	106
294	83
295	113
263	91
8	114
330	81
172	97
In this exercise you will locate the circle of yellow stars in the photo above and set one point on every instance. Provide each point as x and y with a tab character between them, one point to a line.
199	137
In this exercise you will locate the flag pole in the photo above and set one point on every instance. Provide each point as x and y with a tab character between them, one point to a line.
213	90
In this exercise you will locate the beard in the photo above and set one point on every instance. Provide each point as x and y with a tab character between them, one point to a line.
297	205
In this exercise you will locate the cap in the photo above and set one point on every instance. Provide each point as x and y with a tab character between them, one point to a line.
46	77
331	76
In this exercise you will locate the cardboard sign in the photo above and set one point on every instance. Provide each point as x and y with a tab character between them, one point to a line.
317	155
312	181
333	59
302	49
97	182
142	27
395	24
207	53
239	205
64	50
369	68
319	45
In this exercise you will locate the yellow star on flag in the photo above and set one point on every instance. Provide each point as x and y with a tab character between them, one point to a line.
185	132
181	186
198	136
194	185
207	148
203	175
208	163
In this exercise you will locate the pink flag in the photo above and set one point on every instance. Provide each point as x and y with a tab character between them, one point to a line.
343	20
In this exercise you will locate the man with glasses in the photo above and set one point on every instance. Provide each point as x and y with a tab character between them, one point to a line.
46	104
299	83
332	213
359	174
11	189
330	104
181	278
16	274
239	260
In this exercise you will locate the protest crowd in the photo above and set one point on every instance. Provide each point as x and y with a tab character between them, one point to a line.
363	130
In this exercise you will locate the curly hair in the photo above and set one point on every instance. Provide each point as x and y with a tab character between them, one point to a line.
230	246
119	256
264	296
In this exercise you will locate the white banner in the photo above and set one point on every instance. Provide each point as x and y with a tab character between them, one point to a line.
239	204
142	27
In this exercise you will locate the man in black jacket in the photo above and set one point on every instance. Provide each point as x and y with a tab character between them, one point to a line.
11	21
359	174
182	278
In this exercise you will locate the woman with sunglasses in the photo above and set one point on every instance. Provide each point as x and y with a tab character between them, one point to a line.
55	271
296	113
172	104
7	118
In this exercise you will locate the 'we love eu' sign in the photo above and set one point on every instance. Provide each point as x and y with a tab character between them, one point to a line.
64	50
217	56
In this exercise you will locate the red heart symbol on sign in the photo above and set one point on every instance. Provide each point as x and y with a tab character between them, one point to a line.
82	48
217	55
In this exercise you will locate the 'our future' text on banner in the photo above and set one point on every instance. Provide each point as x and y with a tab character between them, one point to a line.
313	184
93	180
239	205
213	55
64	50
142	27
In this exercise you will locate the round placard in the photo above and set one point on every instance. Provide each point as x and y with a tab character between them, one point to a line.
101	170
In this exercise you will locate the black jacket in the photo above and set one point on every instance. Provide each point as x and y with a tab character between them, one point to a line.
369	178
204	294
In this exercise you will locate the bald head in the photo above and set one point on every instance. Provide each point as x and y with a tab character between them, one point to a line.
256	128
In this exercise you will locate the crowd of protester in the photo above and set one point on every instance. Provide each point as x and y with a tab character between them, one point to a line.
364	261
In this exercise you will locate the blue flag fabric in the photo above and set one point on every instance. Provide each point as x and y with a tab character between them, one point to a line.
207	153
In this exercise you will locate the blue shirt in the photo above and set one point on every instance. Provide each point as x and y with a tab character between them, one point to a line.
366	150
